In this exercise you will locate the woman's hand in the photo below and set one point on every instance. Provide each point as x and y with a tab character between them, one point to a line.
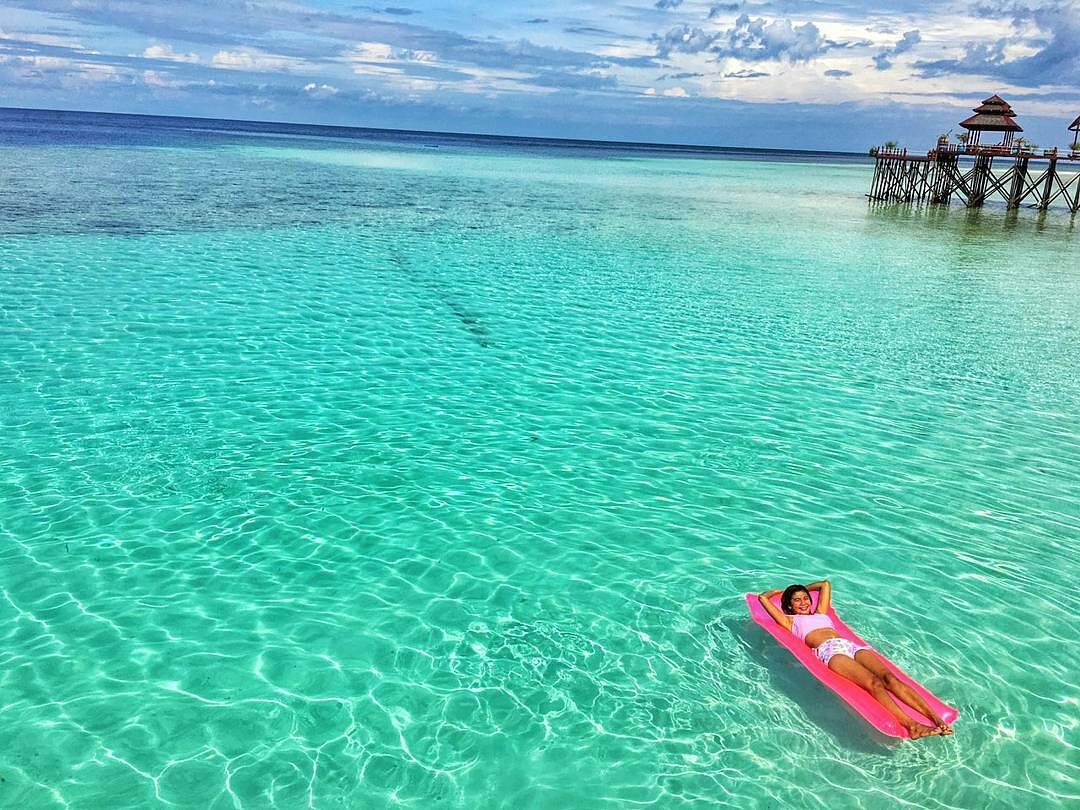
825	597
778	615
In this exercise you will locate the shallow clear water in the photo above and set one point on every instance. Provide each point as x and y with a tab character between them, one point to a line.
363	473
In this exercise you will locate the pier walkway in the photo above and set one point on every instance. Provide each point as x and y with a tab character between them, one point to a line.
974	175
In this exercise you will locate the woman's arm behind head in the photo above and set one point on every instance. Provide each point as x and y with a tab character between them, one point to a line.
824	596
781	618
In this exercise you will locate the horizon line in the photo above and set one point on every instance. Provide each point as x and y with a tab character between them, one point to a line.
455	134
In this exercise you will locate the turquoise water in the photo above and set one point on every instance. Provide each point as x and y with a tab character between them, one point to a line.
368	474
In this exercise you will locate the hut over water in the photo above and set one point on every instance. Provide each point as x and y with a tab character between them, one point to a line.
993	115
968	173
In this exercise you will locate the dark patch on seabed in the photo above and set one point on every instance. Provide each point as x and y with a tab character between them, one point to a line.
471	323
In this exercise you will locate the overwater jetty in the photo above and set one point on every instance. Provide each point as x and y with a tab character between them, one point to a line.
1014	171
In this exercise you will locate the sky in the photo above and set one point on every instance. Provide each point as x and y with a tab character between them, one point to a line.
810	74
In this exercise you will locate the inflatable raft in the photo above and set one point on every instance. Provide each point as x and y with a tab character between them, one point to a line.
855	696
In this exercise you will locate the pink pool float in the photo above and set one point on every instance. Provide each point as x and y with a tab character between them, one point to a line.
853	694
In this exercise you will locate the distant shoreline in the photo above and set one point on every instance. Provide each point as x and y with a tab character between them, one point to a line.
337	130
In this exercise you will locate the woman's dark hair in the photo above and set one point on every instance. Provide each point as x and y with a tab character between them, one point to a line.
789	593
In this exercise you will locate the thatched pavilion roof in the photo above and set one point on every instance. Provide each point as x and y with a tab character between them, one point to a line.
991	123
995	105
993	115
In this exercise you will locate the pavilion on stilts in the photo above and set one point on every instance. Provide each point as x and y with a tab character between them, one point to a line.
993	115
967	172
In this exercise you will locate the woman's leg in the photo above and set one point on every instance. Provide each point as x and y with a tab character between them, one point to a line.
872	661
851	669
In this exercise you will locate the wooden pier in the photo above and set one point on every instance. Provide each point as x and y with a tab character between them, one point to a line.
1014	172
971	176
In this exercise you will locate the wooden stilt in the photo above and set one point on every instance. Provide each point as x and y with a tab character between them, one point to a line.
1051	172
1016	192
979	181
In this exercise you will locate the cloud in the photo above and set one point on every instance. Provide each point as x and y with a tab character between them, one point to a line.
722	9
193	21
883	61
979	57
1056	59
683	39
758	40
158	79
588	29
97	72
1018	11
155	79
317	34
384	52
166	53
320	90
7	39
374	51
675	92
296	53
424	71
253	59
678	76
749	40
71	73
247	35
908	41
573	81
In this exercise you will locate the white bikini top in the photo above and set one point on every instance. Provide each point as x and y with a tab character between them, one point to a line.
802	626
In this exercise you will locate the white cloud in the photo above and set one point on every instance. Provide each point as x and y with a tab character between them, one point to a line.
383	52
365	69
372	51
166	52
97	72
392	67
254	59
649	91
44	39
320	90
71	72
675	92
154	78
46	63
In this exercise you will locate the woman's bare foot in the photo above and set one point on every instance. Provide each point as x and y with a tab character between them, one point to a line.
918	730
946	729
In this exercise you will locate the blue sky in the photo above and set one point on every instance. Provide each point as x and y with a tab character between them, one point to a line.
797	73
